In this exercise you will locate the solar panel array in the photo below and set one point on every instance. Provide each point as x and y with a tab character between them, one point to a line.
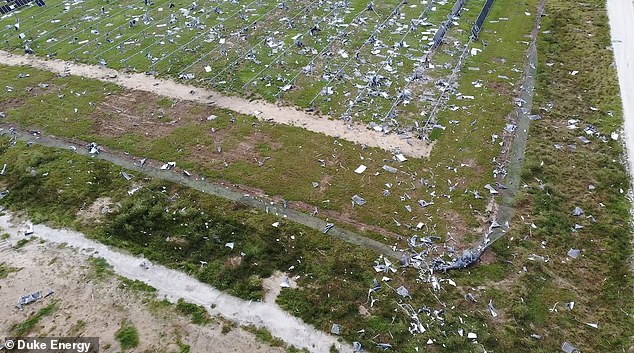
477	27
14	5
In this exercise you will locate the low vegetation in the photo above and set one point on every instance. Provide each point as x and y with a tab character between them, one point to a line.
100	266
24	328
265	336
190	231
199	314
22	242
577	85
127	336
137	285
230	147
5	270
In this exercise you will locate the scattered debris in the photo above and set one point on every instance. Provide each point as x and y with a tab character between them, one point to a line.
574	253
127	176
402	291
492	309
360	169
168	166
356	199
286	282
30	298
568	348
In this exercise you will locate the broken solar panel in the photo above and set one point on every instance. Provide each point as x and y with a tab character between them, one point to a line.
14	5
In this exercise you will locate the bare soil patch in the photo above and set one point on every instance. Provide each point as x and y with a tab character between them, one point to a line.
272	285
144	113
92	306
96	211
457	227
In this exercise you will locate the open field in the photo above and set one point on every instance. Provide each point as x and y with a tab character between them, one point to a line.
559	274
374	64
340	58
449	179
180	228
231	153
353	132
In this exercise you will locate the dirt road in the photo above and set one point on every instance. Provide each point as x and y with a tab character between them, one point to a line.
621	13
356	133
175	285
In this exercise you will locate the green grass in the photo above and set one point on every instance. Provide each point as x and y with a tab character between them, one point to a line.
100	266
244	70
294	152
183	348
5	270
22	242
265	336
556	181
137	285
294	162
198	226
335	277
226	328
24	328
199	314
127	335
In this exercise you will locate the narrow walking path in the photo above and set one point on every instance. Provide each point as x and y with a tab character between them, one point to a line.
356	133
175	285
621	15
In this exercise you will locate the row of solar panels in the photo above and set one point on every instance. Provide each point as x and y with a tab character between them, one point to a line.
16	4
477	27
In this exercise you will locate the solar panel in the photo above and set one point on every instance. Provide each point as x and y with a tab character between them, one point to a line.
477	27
16	4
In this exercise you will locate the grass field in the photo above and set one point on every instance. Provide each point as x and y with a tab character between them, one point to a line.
180	227
162	129
260	49
559	174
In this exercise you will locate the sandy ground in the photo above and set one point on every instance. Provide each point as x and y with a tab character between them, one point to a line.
97	306
621	13
272	286
262	110
171	284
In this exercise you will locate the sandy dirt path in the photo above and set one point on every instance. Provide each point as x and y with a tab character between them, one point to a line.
98	306
175	285
621	13
356	133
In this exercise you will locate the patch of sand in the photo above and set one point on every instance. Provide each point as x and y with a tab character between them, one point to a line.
272	286
96	211
90	306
